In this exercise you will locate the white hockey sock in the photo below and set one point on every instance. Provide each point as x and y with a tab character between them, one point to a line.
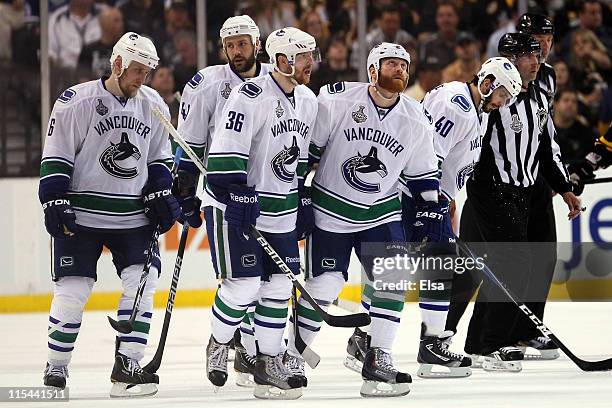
70	294
133	344
385	313
271	314
231	302
434	315
324	289
247	331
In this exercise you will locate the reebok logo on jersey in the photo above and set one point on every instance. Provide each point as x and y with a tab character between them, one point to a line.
243	199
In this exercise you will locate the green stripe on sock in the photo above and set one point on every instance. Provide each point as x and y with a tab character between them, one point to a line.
141	327
303	311
388	304
64	337
271	311
228	311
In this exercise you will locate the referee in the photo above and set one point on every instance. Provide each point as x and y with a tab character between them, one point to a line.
517	146
541	228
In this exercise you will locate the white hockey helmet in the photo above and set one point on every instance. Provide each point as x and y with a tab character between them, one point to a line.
290	41
134	47
240	25
385	50
505	74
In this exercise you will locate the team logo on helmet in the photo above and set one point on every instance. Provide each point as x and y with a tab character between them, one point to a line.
367	164
516	125
507	66
359	115
119	152
286	157
279	110
225	92
133	36
100	108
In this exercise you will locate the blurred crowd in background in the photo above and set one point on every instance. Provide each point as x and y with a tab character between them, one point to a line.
447	41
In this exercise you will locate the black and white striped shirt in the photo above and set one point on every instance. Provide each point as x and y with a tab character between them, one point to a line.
547	80
519	143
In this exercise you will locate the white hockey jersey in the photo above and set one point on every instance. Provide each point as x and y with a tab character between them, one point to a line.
458	133
263	141
366	153
202	102
105	146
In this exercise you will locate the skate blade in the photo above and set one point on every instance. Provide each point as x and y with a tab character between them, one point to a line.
353	364
490	364
124	390
535	354
476	360
263	391
427	371
231	355
244	380
376	389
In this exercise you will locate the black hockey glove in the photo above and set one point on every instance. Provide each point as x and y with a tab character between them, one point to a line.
161	207
184	189
60	220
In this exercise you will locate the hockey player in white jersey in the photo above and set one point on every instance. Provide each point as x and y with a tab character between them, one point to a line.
256	167
105	180
368	136
459	113
202	103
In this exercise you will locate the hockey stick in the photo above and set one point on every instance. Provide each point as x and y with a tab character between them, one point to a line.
598	180
584	365
354	320
309	355
155	362
126	326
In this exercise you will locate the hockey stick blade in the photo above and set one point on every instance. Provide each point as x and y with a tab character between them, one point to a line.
311	357
603	365
122	326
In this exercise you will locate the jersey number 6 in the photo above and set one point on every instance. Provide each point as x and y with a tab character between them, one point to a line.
235	120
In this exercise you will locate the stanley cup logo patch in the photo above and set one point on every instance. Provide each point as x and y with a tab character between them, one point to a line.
101	109
359	115
279	110
225	92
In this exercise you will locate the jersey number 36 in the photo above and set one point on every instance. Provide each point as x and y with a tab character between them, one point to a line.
235	120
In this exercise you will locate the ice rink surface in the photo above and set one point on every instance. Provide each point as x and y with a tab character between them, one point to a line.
586	328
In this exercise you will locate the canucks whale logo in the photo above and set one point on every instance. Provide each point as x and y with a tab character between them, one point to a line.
285	157
359	164
118	152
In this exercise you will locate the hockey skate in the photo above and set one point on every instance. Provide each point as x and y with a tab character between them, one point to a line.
545	348
216	362
129	380
274	381
505	359
356	348
55	376
434	353
296	365
244	364
380	378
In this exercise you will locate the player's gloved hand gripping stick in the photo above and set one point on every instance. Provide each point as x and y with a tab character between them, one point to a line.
352	320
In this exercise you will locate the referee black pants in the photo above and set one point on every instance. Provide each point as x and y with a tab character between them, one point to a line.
542	232
494	222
